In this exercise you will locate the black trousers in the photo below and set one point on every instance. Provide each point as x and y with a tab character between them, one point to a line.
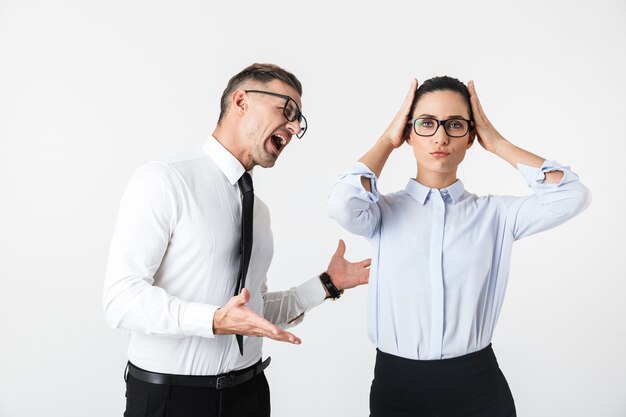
250	399
467	386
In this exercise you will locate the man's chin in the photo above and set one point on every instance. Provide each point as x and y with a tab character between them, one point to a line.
267	162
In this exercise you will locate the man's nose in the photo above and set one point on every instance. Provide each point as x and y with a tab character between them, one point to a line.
294	127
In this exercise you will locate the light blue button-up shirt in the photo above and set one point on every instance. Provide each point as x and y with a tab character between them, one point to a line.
441	258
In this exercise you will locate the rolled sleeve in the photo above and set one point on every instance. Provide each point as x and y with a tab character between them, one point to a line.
351	205
535	177
352	176
550	204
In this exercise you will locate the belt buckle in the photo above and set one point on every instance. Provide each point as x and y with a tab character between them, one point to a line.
225	381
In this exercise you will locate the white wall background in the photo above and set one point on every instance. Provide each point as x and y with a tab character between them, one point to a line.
91	90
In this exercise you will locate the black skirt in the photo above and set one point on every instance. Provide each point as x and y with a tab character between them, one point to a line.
471	385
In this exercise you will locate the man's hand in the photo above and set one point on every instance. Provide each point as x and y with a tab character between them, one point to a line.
346	274
237	318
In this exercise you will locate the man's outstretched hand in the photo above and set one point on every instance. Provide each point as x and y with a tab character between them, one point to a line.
346	274
237	318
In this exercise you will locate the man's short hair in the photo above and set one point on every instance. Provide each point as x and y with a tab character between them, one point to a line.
263	73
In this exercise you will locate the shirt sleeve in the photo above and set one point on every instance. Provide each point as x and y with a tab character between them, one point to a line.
286	308
147	217
351	205
550	204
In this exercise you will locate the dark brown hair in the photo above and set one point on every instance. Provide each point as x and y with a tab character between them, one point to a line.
443	83
263	73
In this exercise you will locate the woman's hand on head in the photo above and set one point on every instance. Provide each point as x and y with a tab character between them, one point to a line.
487	135
400	127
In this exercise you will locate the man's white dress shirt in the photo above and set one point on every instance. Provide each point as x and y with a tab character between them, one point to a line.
174	260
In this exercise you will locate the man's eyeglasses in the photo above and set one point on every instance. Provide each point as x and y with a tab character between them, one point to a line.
290	110
455	127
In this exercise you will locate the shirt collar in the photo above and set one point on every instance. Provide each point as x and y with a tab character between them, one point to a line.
420	192
227	163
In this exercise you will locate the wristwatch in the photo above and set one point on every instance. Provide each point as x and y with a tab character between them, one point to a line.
330	287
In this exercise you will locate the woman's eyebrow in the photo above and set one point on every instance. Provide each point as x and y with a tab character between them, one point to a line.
430	116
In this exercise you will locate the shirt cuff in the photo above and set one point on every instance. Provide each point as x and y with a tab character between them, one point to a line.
535	177
352	176
197	319
311	293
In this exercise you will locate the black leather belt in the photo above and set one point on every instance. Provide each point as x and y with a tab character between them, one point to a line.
218	381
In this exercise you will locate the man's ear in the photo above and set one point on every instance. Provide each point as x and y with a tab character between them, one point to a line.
239	101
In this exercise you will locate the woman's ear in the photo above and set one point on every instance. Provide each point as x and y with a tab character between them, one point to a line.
472	136
407	133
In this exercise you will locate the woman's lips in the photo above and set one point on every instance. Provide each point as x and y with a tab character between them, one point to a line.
439	154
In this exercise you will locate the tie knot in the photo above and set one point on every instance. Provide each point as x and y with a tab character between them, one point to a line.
245	183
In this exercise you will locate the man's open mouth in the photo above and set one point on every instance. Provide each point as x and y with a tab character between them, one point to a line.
279	141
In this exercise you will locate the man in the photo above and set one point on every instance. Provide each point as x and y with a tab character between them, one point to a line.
181	256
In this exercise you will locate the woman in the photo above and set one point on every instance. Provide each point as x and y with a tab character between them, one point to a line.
441	255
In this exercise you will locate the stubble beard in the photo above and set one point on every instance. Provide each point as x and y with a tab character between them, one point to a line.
261	156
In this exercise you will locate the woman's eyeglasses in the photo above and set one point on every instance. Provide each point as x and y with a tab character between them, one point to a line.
455	127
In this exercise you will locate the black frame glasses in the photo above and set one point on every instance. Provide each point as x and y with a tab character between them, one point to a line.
289	115
446	125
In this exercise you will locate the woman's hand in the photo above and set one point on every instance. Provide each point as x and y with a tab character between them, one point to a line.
396	133
487	135
400	127
493	141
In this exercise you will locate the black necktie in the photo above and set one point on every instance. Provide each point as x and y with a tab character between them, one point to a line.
247	206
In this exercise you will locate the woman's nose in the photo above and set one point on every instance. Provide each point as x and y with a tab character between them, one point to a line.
441	136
